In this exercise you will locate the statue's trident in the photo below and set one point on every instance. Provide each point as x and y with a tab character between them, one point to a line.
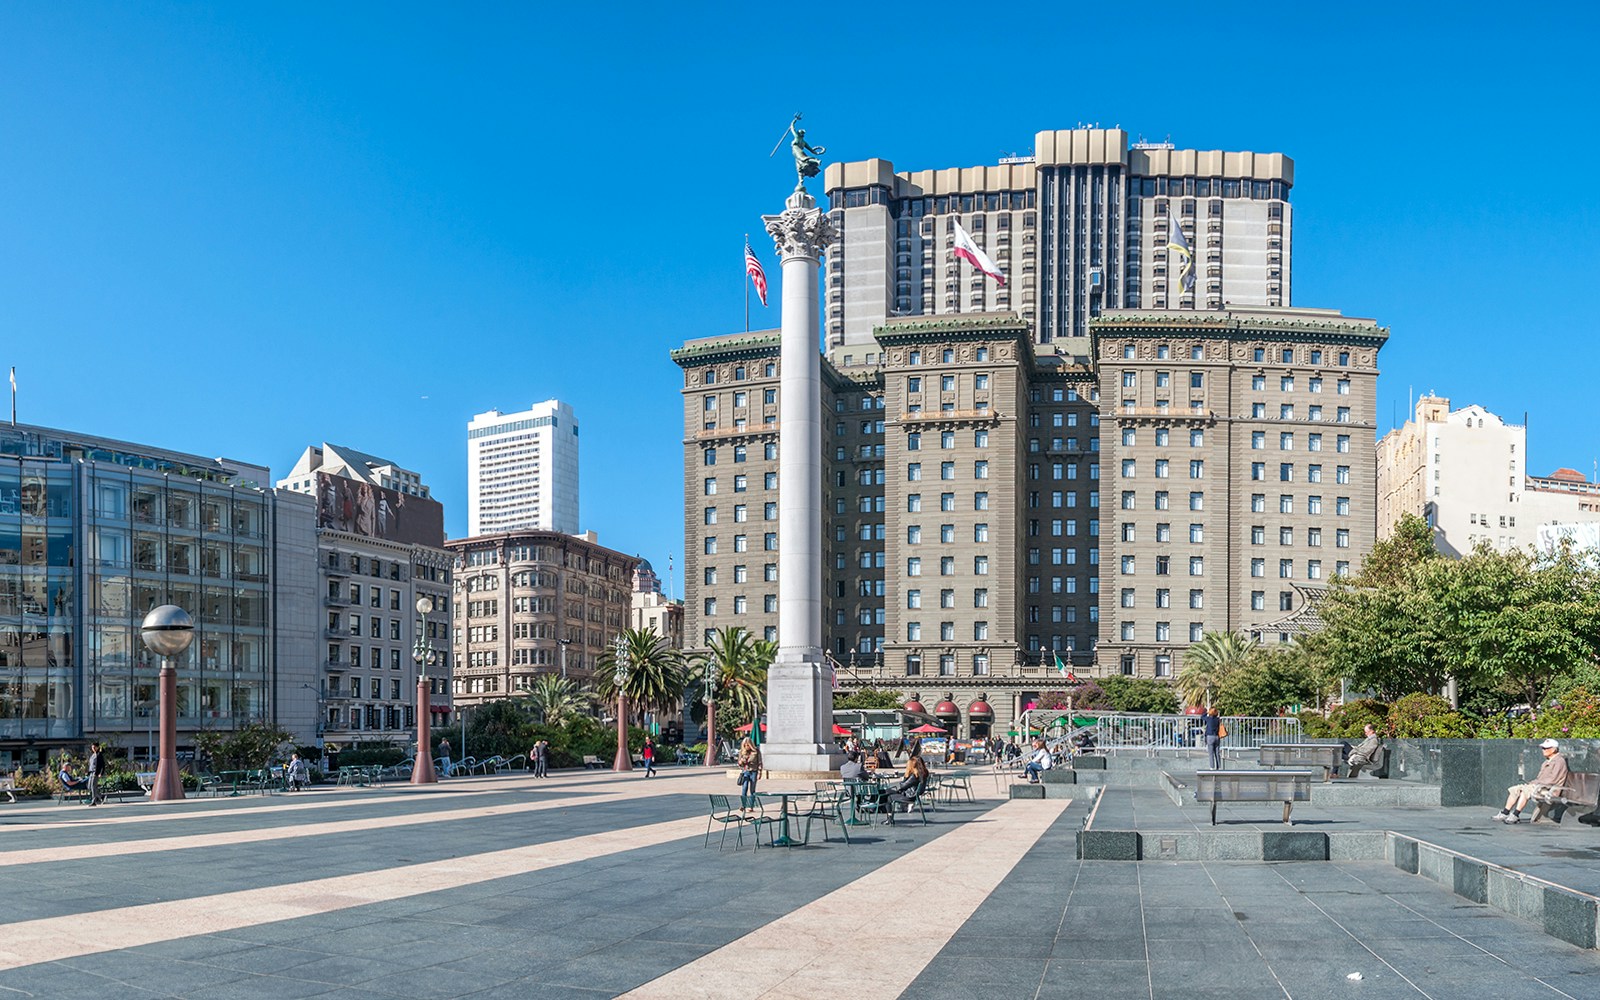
784	136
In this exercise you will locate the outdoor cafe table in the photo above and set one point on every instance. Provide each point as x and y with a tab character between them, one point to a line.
784	840
859	788
232	779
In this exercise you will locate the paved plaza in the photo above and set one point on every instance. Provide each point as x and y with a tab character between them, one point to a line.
593	885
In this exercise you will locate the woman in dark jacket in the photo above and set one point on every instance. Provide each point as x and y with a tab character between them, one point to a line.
910	787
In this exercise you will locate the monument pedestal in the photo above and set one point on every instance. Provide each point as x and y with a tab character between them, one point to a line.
800	716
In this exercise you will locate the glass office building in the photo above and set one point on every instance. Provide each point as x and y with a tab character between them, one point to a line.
93	534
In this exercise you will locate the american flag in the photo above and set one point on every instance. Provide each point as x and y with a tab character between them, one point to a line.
752	267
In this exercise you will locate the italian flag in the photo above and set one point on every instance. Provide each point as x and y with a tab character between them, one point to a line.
970	252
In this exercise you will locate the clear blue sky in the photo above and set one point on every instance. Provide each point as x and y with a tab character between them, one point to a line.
363	223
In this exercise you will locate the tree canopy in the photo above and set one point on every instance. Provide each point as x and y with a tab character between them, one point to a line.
1517	623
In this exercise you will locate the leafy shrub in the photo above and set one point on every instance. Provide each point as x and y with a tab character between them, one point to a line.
1578	715
1427	716
1314	725
368	756
1348	719
36	785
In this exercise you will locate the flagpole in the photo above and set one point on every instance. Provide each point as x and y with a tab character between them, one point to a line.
747	291
14	396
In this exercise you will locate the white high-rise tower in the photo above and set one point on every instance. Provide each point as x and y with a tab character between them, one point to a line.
522	470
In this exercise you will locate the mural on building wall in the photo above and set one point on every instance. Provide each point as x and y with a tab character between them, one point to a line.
364	509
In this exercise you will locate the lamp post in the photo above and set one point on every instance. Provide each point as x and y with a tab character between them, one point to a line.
167	632
708	694
563	643
425	656
624	759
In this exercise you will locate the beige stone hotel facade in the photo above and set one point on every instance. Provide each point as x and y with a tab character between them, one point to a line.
994	503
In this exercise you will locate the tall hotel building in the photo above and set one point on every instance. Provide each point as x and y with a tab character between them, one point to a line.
994	501
522	470
1080	227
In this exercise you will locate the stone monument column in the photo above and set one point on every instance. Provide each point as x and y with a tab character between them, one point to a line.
799	686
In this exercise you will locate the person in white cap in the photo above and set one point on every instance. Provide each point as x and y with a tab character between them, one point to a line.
1548	784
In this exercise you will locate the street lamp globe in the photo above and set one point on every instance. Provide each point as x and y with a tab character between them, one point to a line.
424	605
167	630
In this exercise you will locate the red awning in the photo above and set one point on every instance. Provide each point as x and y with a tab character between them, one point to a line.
947	708
915	706
980	707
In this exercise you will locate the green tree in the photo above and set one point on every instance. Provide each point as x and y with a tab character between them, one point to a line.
553	699
1208	662
1525	621
869	698
250	746
655	672
739	665
1391	637
1411	544
1266	683
1139	694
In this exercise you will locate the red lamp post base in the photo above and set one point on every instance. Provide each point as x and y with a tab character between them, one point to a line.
711	734
624	759
168	785
423	771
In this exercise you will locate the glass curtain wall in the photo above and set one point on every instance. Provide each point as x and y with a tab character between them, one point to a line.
38	552
166	540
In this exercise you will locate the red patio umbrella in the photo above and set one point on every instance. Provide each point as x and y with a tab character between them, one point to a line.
746	728
929	728
839	730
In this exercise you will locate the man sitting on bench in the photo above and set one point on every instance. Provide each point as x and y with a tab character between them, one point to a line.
1548	785
68	782
1363	755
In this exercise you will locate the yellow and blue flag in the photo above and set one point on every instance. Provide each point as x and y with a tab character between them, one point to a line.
1178	246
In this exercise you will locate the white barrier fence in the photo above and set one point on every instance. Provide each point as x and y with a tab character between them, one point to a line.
1126	732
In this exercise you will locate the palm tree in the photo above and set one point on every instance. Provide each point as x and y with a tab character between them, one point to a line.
655	671
738	664
1208	661
554	698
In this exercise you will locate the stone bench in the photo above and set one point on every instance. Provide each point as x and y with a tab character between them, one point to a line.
1582	791
1287	787
1327	756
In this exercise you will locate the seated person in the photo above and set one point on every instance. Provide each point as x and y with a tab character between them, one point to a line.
852	768
1548	785
68	782
1039	761
1363	755
881	754
297	775
910	787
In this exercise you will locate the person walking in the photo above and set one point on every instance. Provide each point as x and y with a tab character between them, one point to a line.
1214	732
649	754
97	773
444	758
541	759
749	773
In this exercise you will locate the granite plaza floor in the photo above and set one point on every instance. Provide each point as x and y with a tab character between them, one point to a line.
596	885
